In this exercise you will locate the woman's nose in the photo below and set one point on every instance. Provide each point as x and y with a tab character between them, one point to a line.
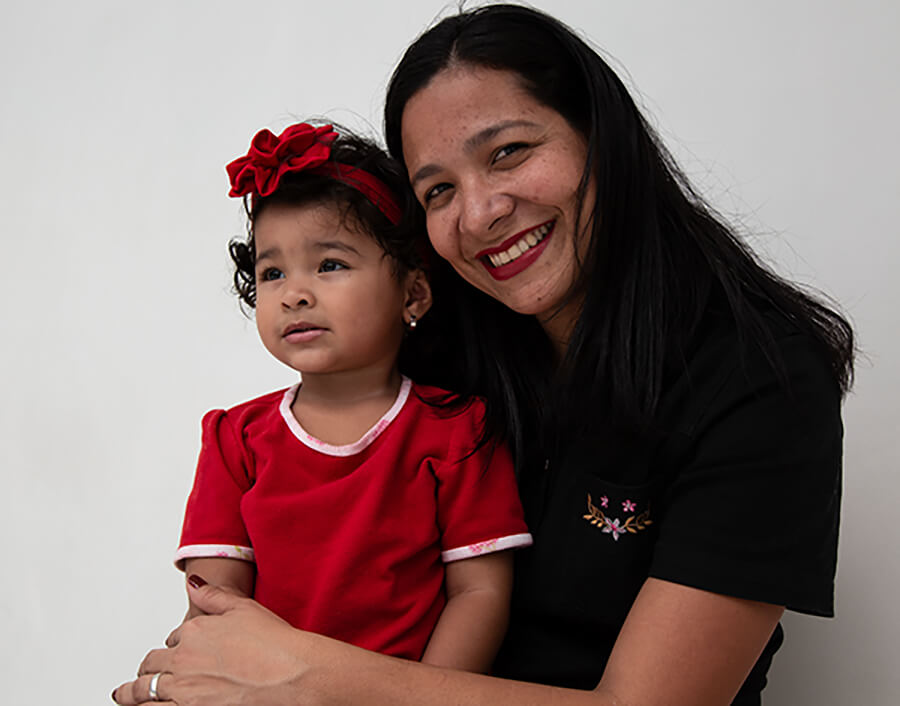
483	208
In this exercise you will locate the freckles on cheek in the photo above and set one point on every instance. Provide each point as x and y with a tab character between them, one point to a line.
538	189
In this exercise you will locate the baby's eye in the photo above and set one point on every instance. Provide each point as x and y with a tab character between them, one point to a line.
508	150
269	274
331	266
434	192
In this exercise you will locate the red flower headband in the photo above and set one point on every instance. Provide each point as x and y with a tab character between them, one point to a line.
302	148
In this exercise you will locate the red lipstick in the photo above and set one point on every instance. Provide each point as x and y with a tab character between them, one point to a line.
523	261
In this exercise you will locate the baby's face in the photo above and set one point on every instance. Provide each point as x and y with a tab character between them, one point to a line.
327	300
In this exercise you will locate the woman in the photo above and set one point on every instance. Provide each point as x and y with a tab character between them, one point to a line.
673	406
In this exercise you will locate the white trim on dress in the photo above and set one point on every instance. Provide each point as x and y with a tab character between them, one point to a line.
512	541
347	449
213	551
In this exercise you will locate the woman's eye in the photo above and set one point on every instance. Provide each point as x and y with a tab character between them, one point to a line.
270	273
434	192
508	150
331	266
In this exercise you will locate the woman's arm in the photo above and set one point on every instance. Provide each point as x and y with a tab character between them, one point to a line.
473	622
682	645
679	646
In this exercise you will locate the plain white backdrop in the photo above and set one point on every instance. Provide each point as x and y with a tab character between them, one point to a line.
119	329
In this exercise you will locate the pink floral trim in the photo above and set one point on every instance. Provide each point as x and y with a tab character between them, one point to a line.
210	551
348	449
488	546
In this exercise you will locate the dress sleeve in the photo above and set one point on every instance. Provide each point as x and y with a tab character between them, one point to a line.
213	526
479	511
752	510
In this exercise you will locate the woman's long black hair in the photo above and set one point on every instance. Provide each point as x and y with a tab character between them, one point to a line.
658	256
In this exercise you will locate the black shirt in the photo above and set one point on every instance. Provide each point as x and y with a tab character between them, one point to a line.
735	490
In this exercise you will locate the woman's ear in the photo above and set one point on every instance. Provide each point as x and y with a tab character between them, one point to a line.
418	296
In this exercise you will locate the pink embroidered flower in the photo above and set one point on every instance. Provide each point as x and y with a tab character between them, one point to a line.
628	506
612	527
604	501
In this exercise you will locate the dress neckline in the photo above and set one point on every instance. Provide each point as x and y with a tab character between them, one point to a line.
344	449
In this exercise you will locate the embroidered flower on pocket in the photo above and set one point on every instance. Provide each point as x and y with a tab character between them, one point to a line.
615	526
612	527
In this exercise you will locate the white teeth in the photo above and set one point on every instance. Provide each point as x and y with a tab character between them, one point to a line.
521	246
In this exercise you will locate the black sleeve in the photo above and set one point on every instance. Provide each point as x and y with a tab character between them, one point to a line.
753	504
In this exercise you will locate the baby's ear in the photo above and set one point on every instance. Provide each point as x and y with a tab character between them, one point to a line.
418	294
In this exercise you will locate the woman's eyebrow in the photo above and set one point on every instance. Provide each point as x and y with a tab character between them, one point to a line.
423	173
487	134
472	143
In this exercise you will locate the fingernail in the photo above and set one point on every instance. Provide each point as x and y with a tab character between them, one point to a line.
113	695
196	581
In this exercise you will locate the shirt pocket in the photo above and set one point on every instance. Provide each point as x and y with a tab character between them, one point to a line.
611	530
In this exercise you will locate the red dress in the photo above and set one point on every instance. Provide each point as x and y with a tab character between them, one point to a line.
349	541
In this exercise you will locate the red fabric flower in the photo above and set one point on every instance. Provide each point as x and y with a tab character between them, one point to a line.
299	147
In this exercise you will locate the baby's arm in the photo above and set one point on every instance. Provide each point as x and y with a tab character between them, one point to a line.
233	575
473	623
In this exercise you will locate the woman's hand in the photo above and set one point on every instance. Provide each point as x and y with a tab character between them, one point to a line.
238	653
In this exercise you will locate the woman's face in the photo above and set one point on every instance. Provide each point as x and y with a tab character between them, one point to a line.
497	173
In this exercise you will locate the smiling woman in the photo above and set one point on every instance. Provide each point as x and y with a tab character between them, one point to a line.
686	379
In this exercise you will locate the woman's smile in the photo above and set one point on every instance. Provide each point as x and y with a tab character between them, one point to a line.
517	252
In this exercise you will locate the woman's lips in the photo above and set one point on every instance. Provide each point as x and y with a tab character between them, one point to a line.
516	253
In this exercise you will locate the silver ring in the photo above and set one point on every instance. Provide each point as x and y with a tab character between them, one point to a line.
154	683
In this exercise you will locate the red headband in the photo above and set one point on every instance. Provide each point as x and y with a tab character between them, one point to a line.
302	148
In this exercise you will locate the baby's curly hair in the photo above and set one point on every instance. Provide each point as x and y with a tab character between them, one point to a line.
404	242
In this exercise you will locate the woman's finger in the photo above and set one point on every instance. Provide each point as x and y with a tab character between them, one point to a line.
155	661
210	599
138	692
174	637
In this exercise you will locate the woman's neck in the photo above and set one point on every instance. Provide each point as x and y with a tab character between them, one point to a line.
559	326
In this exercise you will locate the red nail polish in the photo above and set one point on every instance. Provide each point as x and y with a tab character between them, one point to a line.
196	581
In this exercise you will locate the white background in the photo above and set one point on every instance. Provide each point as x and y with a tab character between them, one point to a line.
119	330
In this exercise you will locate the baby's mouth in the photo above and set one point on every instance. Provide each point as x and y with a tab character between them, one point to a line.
301	327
